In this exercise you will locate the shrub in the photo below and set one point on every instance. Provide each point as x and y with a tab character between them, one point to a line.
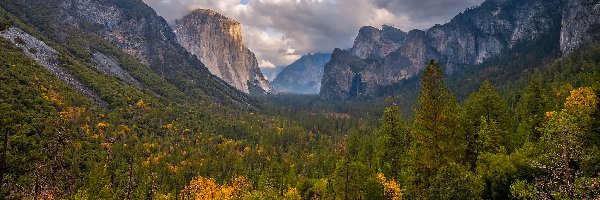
20	41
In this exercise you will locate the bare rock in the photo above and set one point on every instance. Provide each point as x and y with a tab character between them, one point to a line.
217	41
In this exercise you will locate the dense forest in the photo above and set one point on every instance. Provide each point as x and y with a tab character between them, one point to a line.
537	137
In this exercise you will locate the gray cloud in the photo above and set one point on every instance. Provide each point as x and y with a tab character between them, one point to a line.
279	31
425	13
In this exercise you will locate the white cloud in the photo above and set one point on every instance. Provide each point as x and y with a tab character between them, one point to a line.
266	64
280	31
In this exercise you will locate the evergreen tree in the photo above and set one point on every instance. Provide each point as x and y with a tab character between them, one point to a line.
438	138
490	136
530	112
396	140
485	105
455	181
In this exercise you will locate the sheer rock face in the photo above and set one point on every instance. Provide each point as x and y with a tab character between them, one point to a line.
339	73
467	40
217	42
303	76
581	24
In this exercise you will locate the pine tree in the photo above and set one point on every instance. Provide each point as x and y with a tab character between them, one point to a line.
438	138
485	105
530	112
396	140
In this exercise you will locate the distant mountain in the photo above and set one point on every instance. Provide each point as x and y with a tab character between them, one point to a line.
271	73
217	41
382	58
303	76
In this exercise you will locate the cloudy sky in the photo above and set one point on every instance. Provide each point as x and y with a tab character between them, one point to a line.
280	31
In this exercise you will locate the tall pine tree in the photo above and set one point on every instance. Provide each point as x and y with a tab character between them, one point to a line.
530	111
484	108
438	137
396	141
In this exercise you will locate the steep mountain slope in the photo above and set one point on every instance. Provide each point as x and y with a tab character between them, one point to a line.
469	39
66	119
48	57
303	76
217	41
374	61
134	28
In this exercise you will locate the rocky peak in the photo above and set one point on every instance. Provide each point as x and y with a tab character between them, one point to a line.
374	42
217	41
230	26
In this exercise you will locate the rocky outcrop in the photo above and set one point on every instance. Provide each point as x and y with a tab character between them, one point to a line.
217	41
372	42
467	40
111	67
47	57
303	76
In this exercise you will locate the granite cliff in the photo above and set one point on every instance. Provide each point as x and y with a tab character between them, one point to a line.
217	41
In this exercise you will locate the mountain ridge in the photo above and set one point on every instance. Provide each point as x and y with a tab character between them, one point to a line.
470	38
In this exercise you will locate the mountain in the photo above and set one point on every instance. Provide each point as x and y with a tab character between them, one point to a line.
372	42
381	58
217	41
84	26
271	73
303	76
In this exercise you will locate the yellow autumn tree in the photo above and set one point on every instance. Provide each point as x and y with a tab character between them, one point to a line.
292	194
201	188
563	139
391	189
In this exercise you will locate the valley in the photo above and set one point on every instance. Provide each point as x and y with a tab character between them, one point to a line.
106	99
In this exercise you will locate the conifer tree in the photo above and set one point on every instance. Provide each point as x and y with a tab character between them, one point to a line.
530	111
438	138
396	140
485	106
